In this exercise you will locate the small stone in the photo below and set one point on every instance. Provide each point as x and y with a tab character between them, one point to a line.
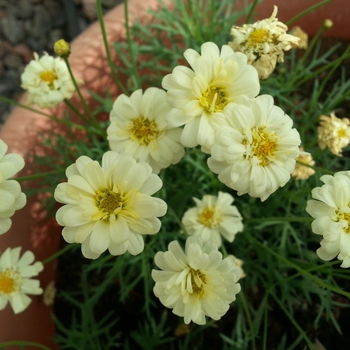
41	22
12	29
12	60
25	9
89	9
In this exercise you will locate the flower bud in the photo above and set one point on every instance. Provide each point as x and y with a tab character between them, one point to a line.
62	48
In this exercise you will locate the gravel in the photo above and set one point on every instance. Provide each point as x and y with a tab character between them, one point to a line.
28	26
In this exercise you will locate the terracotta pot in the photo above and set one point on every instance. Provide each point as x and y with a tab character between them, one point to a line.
31	229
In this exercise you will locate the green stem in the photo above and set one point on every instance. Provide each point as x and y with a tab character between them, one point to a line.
23	344
137	82
305	12
108	51
76	111
37	176
249	319
58	254
301	271
86	107
322	170
280	218
292	320
251	11
51	117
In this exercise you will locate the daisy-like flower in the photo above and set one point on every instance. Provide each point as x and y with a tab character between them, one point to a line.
333	133
302	172
139	127
212	217
255	152
15	278
47	81
201	95
331	211
264	42
196	283
109	206
12	198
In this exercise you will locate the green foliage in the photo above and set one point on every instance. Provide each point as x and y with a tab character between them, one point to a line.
287	290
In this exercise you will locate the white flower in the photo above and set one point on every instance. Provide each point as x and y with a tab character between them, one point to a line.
47	81
255	152
139	127
109	206
264	43
15	278
201	95
196	283
333	133
12	198
303	172
213	216
331	211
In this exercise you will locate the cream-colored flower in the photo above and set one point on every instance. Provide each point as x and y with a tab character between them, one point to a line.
139	127
201	95
15	278
196	283
12	198
212	217
255	152
264	42
109	206
331	211
333	133
299	33
302	172
47	81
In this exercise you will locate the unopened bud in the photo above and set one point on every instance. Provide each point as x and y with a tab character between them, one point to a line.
62	48
328	23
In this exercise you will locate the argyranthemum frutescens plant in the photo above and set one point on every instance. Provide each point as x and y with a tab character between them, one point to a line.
249	133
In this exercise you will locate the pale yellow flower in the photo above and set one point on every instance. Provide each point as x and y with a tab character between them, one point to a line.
213	217
47	81
302	172
109	206
196	282
333	133
16	278
264	43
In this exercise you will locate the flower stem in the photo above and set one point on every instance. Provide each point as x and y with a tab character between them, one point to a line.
251	11
280	218
58	254
23	344
37	176
322	170
108	51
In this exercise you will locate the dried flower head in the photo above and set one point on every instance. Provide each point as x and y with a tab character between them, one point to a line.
299	33
264	42
302	172
333	133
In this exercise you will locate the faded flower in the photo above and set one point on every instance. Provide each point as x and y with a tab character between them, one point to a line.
302	172
333	133
264	42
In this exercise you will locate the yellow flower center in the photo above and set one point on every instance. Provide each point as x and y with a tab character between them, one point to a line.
214	99
210	217
258	36
48	77
144	130
263	145
346	217
109	203
196	282
9	281
341	133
